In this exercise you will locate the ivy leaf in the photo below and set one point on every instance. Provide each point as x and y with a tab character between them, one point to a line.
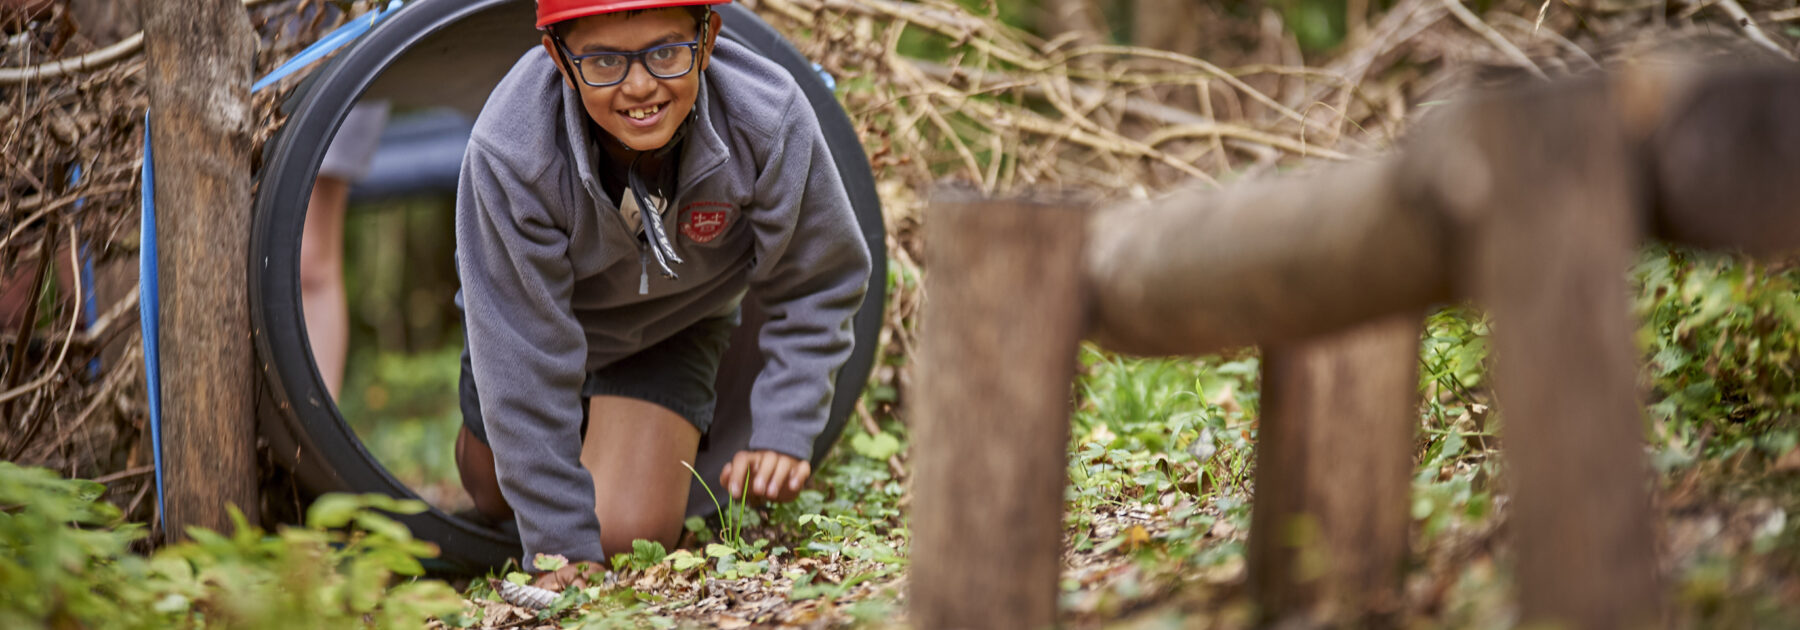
879	446
379	525
647	552
333	511
683	560
549	562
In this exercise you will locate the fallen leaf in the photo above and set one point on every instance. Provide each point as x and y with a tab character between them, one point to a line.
1136	536
1222	529
1788	462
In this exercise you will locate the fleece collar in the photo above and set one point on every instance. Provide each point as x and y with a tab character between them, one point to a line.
704	153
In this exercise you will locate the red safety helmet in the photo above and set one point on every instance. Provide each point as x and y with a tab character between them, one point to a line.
553	11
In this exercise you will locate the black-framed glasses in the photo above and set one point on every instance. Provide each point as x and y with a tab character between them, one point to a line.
602	69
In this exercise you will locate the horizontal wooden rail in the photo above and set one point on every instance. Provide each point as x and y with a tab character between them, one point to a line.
1710	161
1530	201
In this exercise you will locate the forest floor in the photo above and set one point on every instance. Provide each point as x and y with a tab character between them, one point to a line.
1161	460
1157	517
1162	451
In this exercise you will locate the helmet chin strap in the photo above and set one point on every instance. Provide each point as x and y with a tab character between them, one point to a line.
652	227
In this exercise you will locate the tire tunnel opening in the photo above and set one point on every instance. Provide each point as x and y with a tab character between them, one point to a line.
451	53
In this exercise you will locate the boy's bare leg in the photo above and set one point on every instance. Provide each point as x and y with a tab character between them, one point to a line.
475	464
322	279
635	450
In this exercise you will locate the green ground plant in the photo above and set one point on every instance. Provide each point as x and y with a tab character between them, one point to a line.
67	562
1721	336
1160	479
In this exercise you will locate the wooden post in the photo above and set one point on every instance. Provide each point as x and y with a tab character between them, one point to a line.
198	65
1744	199
1551	241
991	423
1328	536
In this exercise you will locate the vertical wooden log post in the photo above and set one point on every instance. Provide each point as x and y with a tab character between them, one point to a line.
1328	536
198	68
1553	200
991	423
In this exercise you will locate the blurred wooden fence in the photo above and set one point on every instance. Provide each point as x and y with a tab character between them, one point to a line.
1530	203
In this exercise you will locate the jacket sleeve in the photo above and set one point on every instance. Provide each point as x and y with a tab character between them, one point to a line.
527	352
811	271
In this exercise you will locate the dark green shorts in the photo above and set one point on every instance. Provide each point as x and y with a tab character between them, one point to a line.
676	373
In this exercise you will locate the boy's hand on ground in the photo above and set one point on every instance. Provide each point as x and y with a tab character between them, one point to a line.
575	575
765	475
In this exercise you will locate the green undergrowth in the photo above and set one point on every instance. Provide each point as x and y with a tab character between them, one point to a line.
1722	340
1168	444
850	518
65	563
1160	481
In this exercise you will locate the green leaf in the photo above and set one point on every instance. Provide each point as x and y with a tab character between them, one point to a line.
683	560
170	604
379	525
333	511
398	506
879	446
397	561
647	552
88	491
549	562
717	550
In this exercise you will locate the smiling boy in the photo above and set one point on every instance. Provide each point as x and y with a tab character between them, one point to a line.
624	186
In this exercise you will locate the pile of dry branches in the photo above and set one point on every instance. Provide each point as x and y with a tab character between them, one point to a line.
1003	108
72	106
1014	112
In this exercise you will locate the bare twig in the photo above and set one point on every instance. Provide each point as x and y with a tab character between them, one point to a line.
1242	133
46	207
115	380
85	63
1469	19
125	474
1562	42
1751	30
68	337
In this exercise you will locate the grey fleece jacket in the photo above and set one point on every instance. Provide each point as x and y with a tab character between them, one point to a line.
551	274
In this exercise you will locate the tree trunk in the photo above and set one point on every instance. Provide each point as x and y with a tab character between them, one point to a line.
199	55
1328	538
991	425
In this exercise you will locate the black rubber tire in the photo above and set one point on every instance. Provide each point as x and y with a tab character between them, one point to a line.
302	427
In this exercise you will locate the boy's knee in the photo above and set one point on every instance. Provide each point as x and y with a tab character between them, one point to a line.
617	534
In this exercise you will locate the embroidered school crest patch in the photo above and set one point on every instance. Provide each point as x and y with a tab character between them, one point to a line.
704	221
